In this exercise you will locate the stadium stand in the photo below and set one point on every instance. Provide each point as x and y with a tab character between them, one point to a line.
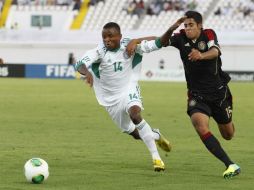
24	5
232	15
43	2
1	5
30	14
91	15
158	14
169	13
110	10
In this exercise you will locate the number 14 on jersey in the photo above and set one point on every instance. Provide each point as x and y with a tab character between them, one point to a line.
118	66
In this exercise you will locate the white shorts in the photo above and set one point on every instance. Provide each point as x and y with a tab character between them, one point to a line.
119	112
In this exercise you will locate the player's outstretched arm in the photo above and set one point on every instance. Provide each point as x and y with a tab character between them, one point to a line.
166	36
164	39
132	45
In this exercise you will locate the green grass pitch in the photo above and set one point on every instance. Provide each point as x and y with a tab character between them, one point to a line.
61	122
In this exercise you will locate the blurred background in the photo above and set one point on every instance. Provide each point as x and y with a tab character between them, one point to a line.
47	36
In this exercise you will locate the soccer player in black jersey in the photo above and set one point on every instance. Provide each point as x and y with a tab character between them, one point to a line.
208	92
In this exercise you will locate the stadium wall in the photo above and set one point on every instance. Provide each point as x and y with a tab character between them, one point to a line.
21	18
237	57
54	71
38	71
30	47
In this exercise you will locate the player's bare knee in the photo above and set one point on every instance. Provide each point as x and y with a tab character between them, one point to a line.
228	136
227	131
136	118
135	114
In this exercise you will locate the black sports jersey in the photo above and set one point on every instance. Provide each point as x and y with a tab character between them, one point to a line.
202	76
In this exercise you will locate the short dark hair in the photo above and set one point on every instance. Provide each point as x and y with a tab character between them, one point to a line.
195	15
112	25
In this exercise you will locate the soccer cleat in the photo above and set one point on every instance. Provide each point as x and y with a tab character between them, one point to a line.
231	171
158	165
162	141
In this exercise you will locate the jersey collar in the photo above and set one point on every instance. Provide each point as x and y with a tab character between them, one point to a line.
114	50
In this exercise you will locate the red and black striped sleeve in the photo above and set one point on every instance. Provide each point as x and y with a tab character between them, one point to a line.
212	39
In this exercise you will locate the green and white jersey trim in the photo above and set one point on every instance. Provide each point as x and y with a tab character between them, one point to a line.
148	46
91	56
125	41
95	69
137	59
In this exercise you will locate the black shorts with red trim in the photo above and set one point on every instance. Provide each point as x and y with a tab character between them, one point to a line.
218	104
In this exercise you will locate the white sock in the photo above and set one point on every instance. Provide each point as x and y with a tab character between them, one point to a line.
146	134
156	136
